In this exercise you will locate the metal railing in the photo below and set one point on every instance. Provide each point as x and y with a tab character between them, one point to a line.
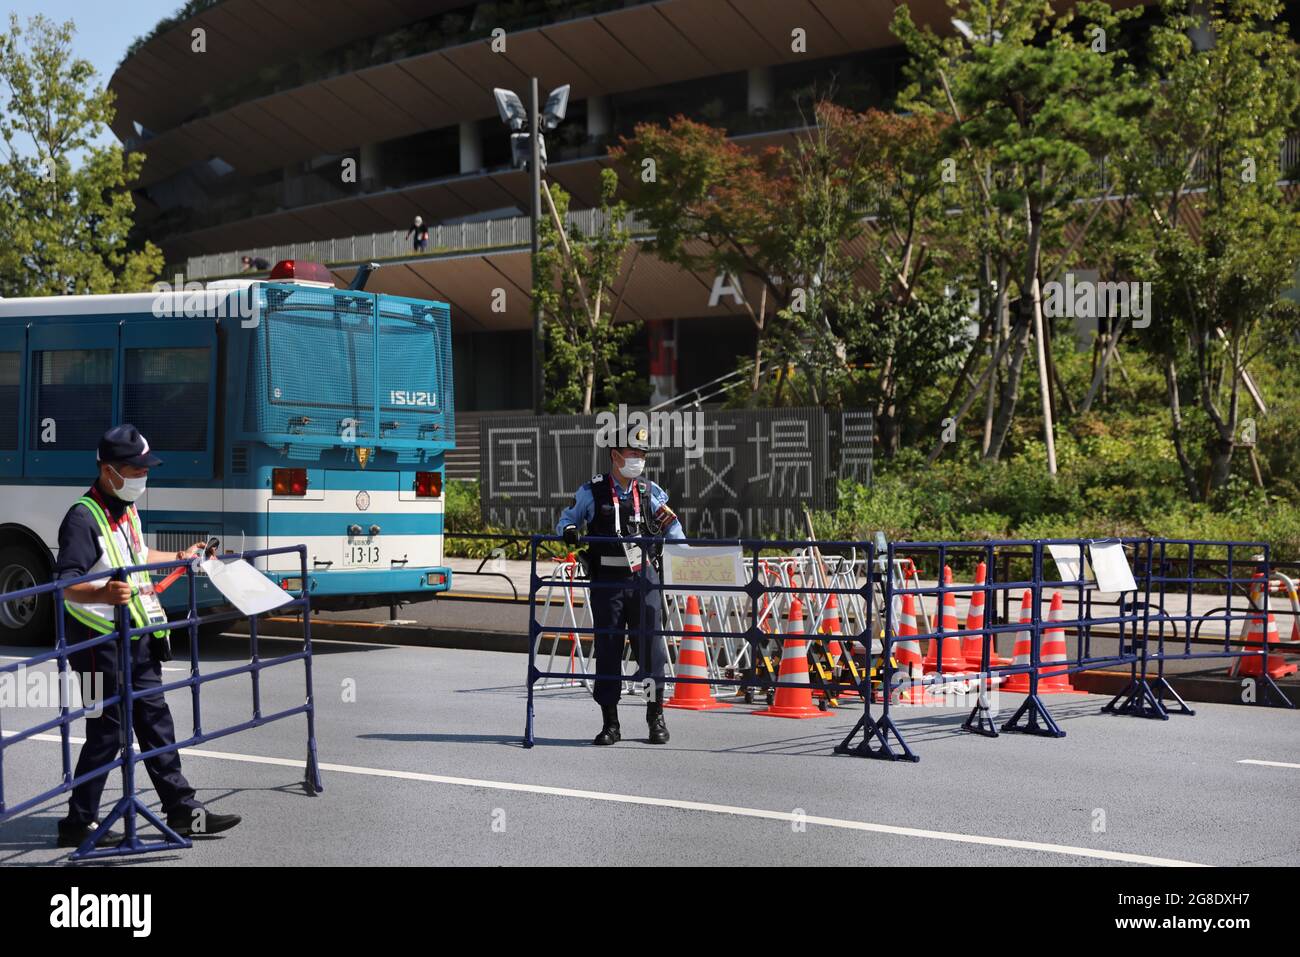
503	233
122	640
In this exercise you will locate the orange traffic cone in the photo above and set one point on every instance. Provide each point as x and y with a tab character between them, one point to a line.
833	630
1254	634
796	702
693	662
972	646
1024	646
954	662
1054	652
907	653
1254	637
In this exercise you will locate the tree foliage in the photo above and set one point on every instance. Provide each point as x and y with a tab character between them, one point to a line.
809	230
65	206
1035	98
588	349
1220	238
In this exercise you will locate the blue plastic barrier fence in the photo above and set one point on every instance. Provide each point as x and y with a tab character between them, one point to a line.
130	804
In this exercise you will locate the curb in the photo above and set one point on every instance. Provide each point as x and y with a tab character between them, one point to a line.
376	632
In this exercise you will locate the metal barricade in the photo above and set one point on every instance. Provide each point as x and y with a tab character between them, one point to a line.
130	805
1138	628
571	617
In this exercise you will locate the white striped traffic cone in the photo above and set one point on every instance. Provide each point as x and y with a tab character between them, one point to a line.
693	662
1024	646
796	702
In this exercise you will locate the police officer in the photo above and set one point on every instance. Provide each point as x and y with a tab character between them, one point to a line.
102	532
623	505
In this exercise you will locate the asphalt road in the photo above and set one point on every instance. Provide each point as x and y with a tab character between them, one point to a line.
506	618
423	764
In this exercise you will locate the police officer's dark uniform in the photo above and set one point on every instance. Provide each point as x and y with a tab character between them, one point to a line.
624	506
101	532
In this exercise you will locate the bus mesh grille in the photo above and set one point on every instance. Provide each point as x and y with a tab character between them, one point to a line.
312	367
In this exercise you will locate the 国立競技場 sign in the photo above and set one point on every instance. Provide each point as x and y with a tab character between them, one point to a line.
749	476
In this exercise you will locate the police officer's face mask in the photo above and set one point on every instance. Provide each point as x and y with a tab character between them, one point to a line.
633	466
132	488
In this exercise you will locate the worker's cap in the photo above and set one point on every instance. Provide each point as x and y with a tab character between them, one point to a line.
638	439
124	444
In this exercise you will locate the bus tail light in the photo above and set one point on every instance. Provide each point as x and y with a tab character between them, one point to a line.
435	578
428	484
291	584
289	481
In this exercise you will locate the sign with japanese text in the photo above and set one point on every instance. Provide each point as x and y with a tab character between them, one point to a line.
690	567
748	474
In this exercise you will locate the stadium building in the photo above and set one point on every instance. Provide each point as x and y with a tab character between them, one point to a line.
245	141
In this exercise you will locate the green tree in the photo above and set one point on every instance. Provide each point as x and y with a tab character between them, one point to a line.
898	294
588	351
794	222
1222	237
65	206
1034	99
713	208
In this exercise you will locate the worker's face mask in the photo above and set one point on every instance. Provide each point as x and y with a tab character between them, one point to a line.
132	488
633	466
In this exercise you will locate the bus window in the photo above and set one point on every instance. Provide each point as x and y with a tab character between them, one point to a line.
165	395
74	388
287	395
9	365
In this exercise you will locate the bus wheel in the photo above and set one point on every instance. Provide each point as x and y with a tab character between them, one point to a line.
24	621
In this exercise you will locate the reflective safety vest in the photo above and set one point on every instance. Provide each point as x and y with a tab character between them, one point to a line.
118	545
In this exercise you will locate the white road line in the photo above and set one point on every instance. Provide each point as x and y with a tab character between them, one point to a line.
787	816
1270	764
54	660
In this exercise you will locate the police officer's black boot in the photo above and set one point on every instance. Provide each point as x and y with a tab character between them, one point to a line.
654	717
609	734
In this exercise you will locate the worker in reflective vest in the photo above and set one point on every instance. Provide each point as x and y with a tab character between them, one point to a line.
102	532
624	505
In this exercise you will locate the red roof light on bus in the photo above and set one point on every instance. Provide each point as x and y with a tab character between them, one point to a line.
302	271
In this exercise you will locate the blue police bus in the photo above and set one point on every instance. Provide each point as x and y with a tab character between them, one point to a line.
286	411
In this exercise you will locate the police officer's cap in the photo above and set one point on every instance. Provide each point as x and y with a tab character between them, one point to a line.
123	444
639	439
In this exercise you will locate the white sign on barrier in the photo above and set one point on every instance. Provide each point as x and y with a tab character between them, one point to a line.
1068	559
1110	567
693	566
1105	566
244	586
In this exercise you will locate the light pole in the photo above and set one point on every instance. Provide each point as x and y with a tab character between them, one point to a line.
535	213
528	151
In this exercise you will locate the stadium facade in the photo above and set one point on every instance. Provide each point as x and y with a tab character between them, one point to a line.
245	140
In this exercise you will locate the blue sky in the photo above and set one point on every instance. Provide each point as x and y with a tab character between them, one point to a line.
105	28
